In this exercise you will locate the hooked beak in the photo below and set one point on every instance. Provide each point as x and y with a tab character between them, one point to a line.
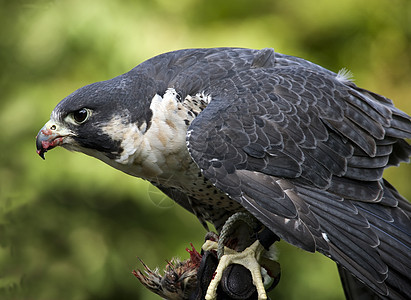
48	137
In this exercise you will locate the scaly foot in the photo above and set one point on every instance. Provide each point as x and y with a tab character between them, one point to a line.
249	258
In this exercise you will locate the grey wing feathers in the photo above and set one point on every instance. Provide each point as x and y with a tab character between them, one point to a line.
304	151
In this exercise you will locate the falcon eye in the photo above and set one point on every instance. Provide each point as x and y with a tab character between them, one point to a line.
81	115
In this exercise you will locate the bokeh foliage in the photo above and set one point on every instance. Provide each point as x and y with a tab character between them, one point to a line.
71	227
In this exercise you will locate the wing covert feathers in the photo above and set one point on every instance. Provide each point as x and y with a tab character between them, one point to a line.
304	151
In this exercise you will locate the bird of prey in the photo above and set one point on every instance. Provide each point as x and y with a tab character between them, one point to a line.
226	130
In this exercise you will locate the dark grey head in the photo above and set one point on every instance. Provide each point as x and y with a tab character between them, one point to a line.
89	120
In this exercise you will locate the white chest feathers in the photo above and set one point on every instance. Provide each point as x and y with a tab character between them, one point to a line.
158	152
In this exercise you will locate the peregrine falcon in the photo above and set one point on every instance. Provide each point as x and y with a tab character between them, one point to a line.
227	130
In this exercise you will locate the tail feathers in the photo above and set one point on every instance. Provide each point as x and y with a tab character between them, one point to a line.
353	288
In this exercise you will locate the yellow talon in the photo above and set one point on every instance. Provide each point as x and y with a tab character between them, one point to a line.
249	258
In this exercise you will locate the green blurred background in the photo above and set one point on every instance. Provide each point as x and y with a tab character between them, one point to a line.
71	227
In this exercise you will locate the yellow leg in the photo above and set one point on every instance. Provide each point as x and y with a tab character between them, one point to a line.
249	258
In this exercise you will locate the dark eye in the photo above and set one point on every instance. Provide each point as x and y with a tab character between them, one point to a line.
81	115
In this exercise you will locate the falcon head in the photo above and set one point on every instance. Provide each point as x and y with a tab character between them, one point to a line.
98	118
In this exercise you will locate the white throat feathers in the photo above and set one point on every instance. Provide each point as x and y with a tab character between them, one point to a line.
158	152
